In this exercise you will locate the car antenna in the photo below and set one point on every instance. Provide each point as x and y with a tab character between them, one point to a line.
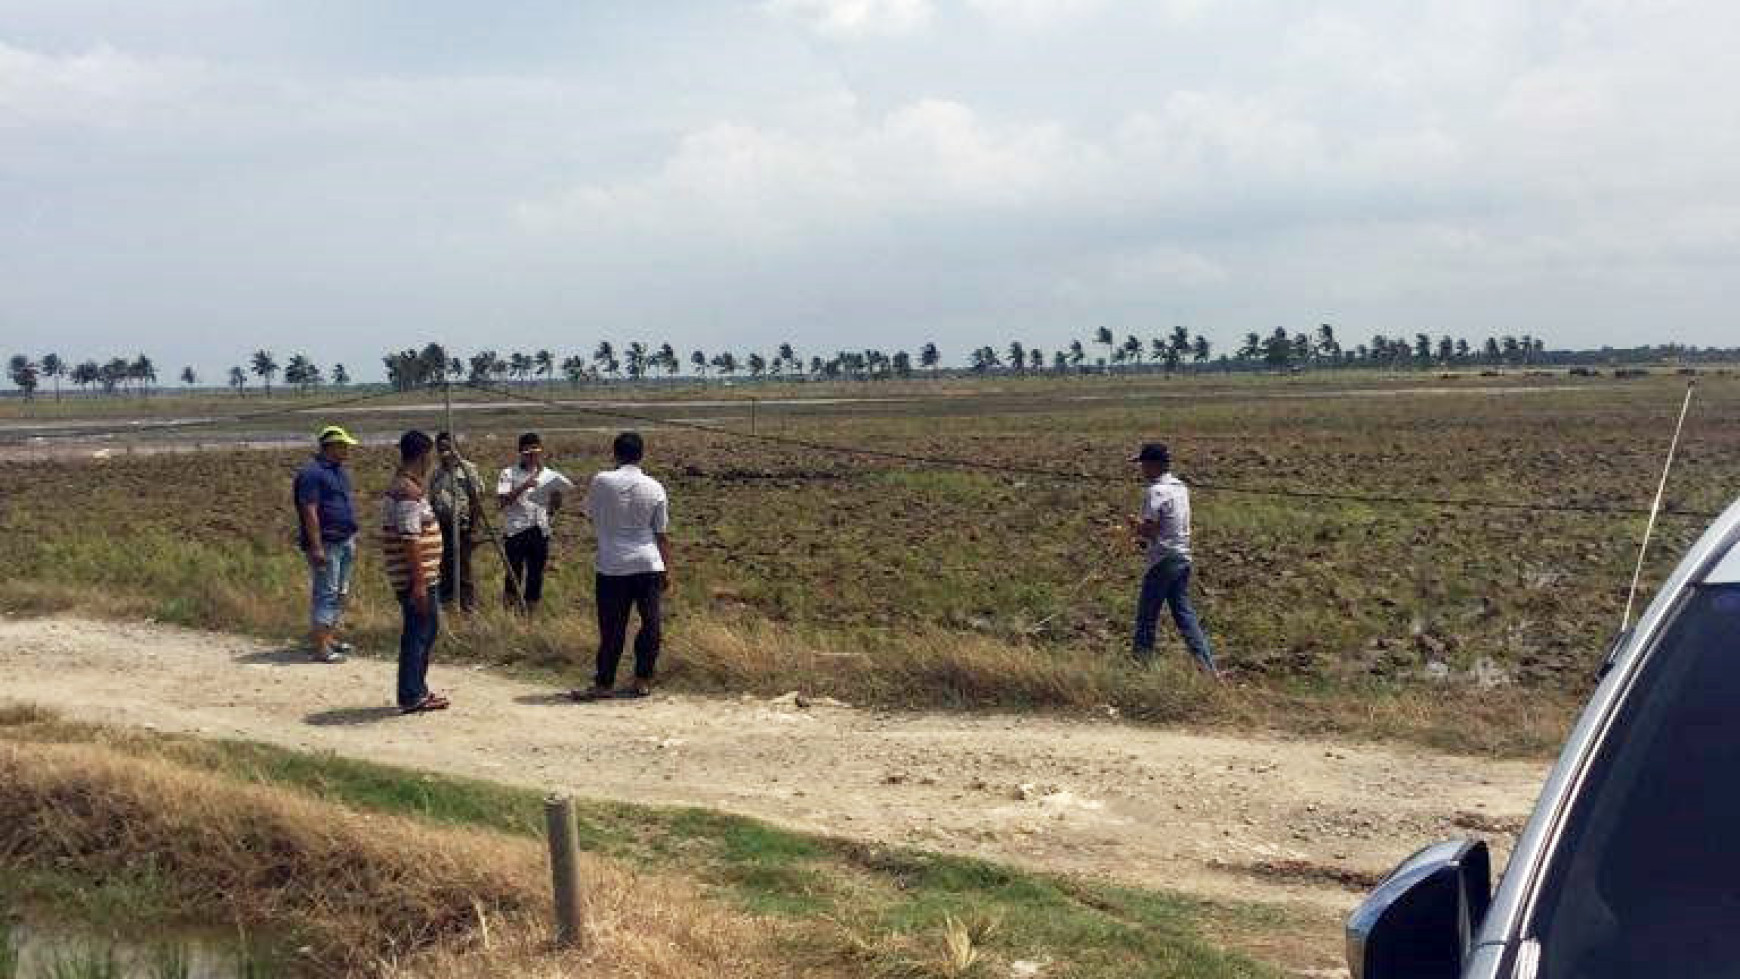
1655	508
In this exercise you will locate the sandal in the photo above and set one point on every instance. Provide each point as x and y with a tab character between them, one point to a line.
430	701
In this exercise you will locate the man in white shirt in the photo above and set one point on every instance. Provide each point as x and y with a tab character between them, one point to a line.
631	515
528	493
1163	532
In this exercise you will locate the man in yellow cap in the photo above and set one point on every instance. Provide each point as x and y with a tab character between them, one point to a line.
326	521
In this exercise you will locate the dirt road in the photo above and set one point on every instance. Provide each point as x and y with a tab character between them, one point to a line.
1246	818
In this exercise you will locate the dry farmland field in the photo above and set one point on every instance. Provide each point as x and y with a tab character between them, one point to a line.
917	584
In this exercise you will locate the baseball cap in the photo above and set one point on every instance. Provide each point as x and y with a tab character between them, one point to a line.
1152	452
333	433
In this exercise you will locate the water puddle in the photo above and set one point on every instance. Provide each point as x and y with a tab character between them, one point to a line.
38	950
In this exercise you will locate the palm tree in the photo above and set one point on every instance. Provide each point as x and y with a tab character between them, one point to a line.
545	363
1132	349
699	359
1018	356
113	374
238	380
1326	342
54	369
1278	349
636	357
789	356
929	358
757	365
1252	349
1179	347
667	358
574	369
1104	336
726	363
265	367
86	374
188	377
24	373
605	358
301	372
519	365
143	371
1059	362
1076	354
341	377
1200	350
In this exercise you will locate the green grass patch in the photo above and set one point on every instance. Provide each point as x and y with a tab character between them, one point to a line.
892	908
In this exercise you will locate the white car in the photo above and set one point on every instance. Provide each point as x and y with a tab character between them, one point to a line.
1630	865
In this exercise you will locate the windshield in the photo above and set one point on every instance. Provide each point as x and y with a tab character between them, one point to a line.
1646	878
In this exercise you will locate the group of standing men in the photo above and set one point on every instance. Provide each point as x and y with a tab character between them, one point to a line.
432	519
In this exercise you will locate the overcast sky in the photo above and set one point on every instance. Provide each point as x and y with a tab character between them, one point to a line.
199	178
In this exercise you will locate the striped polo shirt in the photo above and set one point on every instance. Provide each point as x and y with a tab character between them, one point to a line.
407	515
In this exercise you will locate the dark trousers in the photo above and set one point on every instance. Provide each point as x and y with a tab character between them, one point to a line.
1168	583
457	548
416	641
617	595
527	553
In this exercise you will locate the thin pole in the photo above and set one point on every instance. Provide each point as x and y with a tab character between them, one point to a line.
564	868
1655	508
453	515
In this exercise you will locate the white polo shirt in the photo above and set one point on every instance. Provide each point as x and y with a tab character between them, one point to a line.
628	510
1167	502
532	509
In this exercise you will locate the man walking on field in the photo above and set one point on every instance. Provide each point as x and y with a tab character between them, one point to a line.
528	493
631	516
326	533
1162	531
411	551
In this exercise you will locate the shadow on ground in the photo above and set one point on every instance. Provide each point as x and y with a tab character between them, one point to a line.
350	716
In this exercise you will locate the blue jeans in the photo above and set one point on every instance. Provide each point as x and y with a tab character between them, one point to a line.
331	582
1168	583
416	641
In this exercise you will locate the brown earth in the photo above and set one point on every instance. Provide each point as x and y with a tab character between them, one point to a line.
1213	815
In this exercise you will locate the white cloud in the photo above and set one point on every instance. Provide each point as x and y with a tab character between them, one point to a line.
765	182
855	18
98	86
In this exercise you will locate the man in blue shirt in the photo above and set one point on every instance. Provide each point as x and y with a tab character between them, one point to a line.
326	518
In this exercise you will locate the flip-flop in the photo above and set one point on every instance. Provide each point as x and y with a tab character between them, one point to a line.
429	702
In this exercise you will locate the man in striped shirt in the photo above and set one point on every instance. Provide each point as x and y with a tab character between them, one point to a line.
411	551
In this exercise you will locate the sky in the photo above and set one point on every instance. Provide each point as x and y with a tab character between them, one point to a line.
197	179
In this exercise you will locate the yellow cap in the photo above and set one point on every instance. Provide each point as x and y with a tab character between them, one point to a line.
332	433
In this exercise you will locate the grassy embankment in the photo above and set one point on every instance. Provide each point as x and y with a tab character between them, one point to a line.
909	585
383	871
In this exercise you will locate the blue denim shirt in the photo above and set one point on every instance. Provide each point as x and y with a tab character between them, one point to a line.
325	484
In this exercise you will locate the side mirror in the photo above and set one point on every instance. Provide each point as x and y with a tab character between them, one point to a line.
1420	922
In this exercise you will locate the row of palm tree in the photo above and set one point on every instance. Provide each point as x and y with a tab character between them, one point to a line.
635	361
1281	350
117	375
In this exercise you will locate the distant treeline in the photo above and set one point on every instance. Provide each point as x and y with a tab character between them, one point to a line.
1104	353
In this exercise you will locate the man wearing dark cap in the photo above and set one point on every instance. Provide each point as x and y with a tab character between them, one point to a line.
528	493
1162	531
326	532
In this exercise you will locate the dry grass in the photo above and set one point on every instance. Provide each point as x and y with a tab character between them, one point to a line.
369	893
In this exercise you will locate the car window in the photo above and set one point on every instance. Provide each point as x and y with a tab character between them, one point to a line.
1646	878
